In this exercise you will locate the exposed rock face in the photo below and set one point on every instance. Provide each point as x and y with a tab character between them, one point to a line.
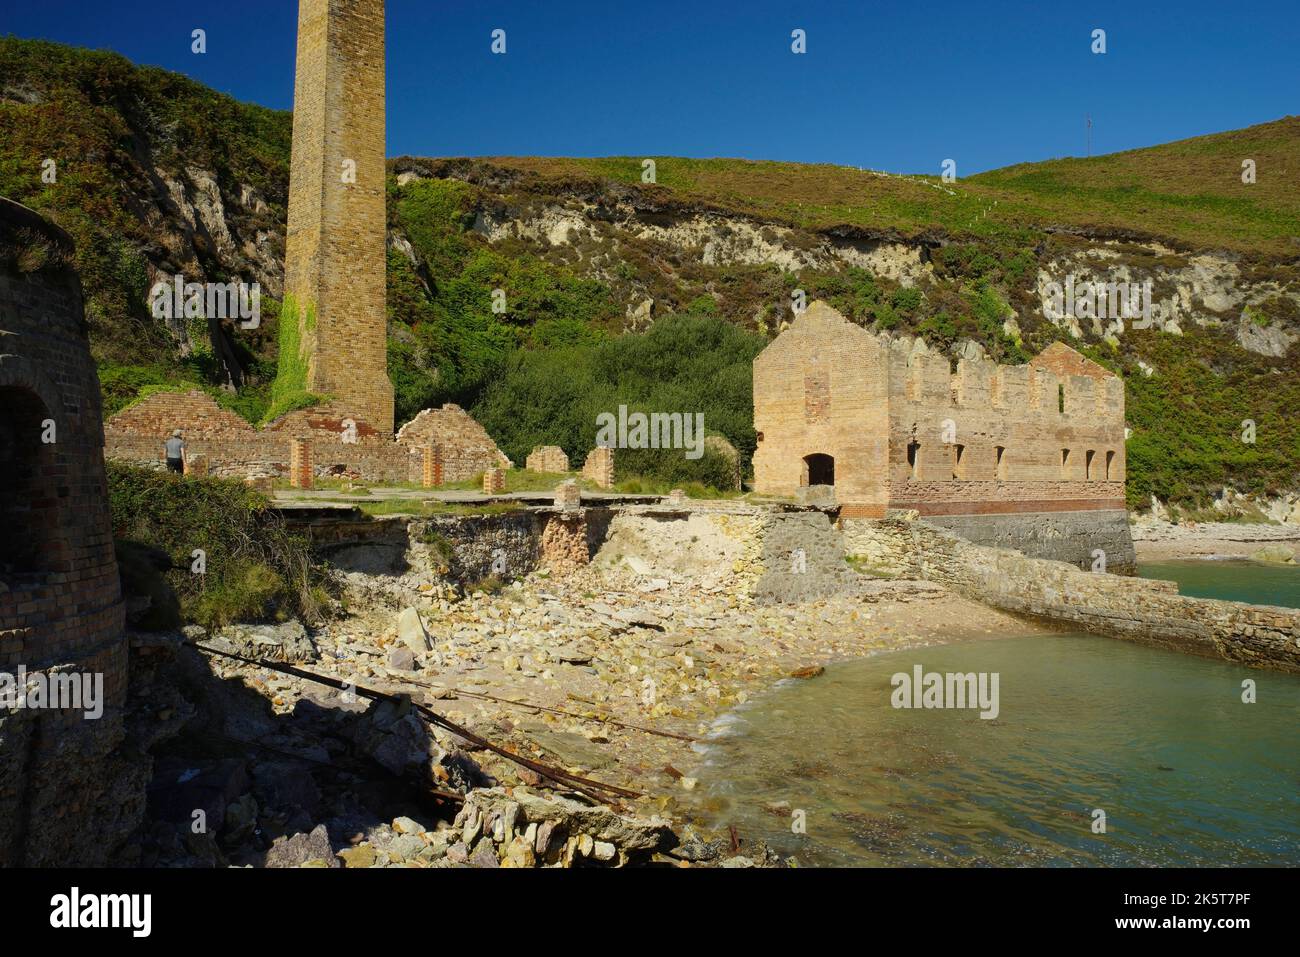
1204	289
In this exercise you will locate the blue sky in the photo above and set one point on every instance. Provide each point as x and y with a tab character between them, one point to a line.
898	86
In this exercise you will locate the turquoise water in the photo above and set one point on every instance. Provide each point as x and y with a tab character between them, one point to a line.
1185	773
1254	582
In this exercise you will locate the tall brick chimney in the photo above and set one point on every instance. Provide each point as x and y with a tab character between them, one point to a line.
334	262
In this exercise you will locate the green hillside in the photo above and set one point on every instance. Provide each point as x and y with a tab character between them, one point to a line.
1187	193
138	151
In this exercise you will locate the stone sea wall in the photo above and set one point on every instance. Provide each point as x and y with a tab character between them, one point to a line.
1151	612
1071	537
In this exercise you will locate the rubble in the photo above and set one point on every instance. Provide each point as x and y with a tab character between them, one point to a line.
603	673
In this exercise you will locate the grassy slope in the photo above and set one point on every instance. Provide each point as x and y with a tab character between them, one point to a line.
1189	192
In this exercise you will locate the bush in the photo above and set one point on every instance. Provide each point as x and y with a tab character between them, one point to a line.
688	364
254	568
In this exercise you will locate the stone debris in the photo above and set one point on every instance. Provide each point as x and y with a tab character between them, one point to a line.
522	829
287	642
325	770
410	631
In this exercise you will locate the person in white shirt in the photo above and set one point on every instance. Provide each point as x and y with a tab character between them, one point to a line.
175	452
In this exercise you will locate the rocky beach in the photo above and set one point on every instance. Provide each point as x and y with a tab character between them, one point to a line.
605	673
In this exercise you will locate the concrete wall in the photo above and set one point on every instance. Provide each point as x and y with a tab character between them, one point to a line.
1151	612
67	796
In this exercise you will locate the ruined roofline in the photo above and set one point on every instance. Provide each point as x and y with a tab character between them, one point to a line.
982	383
1047	384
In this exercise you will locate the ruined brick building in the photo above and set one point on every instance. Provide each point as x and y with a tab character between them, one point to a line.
334	291
1028	457
66	794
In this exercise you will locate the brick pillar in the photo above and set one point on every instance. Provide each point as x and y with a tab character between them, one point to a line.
196	465
568	495
494	481
431	467
599	467
300	473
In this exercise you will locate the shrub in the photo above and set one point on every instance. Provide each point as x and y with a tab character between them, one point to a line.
688	364
254	568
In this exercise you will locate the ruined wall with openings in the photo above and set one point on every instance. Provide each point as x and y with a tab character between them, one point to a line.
466	447
821	390
1030	456
992	438
341	444
67	794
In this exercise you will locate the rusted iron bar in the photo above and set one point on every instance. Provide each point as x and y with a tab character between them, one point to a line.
576	782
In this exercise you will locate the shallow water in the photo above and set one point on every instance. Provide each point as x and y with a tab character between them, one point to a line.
1185	772
1254	582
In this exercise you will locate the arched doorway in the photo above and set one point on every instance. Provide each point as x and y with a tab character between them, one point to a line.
29	503
818	469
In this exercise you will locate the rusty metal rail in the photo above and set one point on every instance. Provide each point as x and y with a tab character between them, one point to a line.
575	782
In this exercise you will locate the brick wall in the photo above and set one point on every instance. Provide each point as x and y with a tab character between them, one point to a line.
234	449
335	246
907	431
547	458
466	447
67	796
821	388
599	467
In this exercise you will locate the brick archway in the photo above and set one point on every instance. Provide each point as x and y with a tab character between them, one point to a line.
818	469
30	513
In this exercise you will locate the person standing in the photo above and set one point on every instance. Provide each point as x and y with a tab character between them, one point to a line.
175	452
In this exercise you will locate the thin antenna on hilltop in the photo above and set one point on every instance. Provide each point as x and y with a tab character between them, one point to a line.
1088	117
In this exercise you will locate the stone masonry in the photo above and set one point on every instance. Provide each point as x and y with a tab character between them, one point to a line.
547	458
335	247
1136	609
599	467
68	795
888	425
